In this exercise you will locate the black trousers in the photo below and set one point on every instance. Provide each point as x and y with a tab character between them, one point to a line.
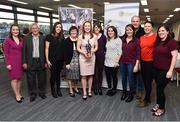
111	74
55	78
147	76
98	76
161	83
36	78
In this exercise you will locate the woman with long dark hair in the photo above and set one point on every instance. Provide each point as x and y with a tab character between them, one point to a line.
165	54
54	51
129	61
112	56
13	58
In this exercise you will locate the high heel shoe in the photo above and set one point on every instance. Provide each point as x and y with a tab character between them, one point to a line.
89	94
18	101
22	98
71	94
84	97
76	91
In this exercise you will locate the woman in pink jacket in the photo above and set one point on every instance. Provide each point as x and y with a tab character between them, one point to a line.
13	58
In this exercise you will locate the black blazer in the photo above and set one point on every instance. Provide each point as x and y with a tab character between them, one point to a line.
28	50
68	46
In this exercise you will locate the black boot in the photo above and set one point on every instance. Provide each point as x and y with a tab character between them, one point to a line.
53	91
124	95
95	91
100	91
130	97
54	94
59	92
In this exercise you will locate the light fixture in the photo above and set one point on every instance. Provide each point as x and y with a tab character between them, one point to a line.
74	6
168	18
147	16
106	3
171	15
56	0
15	1
143	2
45	8
146	10
176	9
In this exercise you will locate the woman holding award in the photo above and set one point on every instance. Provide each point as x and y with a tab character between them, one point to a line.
87	45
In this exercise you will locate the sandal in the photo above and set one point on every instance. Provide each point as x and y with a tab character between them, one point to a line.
159	112
155	108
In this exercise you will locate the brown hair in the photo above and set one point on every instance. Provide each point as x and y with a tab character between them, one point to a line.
53	32
10	33
83	32
115	31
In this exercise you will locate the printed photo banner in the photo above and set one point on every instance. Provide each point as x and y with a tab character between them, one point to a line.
119	15
73	16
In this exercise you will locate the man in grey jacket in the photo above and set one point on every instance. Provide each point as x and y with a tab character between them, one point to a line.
34	62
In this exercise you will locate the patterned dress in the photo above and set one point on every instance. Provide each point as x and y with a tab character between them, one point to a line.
73	72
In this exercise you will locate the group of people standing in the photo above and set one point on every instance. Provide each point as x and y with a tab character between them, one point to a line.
140	54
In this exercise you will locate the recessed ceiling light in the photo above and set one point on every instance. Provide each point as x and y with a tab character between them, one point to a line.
168	18
143	2
45	8
74	6
171	15
106	3
56	0
176	9
15	1
146	10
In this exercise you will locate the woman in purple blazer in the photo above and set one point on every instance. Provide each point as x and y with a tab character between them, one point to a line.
13	58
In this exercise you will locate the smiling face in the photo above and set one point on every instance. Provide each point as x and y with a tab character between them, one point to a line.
111	33
97	30
73	33
163	33
135	21
129	31
87	27
15	31
58	28
35	29
148	28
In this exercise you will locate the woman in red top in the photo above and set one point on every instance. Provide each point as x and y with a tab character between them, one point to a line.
165	54
147	46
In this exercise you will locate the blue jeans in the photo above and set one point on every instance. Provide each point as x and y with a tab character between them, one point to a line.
138	84
127	76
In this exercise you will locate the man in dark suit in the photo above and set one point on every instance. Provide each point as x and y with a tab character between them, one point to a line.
34	62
